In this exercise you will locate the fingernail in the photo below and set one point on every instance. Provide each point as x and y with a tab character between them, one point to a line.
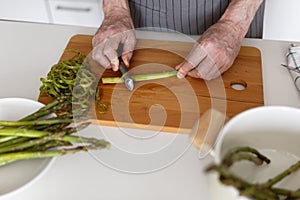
180	75
115	68
126	62
115	61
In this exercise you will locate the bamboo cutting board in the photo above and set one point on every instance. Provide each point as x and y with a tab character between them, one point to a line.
170	104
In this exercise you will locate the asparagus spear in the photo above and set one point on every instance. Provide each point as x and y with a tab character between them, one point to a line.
33	137
35	122
6	138
140	77
11	157
57	105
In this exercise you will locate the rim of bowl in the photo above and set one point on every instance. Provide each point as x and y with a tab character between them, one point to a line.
237	117
50	160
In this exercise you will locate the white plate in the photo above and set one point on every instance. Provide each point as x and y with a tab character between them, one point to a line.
20	174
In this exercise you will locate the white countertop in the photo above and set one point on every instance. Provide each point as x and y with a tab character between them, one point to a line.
28	51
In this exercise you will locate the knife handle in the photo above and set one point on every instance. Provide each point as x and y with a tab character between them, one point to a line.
123	68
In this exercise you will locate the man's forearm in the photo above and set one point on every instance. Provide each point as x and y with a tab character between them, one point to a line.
241	13
111	5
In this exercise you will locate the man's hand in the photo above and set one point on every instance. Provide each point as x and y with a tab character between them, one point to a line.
213	54
217	48
117	28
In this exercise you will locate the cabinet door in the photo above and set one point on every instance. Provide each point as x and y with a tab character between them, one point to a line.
82	13
281	20
24	10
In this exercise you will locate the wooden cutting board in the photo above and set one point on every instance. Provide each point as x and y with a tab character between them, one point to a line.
170	104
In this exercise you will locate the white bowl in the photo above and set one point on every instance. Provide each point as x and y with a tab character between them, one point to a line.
272	130
20	174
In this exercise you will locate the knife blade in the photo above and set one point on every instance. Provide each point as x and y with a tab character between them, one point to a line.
128	81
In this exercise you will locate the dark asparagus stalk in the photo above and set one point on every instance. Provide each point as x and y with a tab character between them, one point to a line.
43	137
49	145
244	153
282	175
10	157
13	141
262	191
287	193
53	107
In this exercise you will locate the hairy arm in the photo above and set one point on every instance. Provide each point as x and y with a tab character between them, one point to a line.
117	27
241	12
239	15
109	5
217	48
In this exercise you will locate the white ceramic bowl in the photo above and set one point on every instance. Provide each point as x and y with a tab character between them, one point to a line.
275	132
18	175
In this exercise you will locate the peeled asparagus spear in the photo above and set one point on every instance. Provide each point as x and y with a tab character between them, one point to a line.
140	77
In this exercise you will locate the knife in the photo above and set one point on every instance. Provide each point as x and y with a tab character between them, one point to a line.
128	81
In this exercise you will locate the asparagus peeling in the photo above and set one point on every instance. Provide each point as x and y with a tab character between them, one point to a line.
73	77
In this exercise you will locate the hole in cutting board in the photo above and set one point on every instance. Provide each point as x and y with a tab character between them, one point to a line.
238	85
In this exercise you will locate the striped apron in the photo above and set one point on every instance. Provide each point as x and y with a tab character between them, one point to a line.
190	17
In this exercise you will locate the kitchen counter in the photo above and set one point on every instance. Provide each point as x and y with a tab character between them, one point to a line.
28	50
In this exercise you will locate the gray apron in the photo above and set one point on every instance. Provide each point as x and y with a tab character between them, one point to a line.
190	17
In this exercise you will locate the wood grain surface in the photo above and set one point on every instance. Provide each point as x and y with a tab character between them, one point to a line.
170	104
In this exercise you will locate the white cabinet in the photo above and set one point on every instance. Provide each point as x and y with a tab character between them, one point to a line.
282	20
24	10
82	13
69	12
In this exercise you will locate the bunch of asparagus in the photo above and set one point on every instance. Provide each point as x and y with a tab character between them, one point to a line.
43	134
256	191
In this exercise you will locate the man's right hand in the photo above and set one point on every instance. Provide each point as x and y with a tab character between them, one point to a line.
117	28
